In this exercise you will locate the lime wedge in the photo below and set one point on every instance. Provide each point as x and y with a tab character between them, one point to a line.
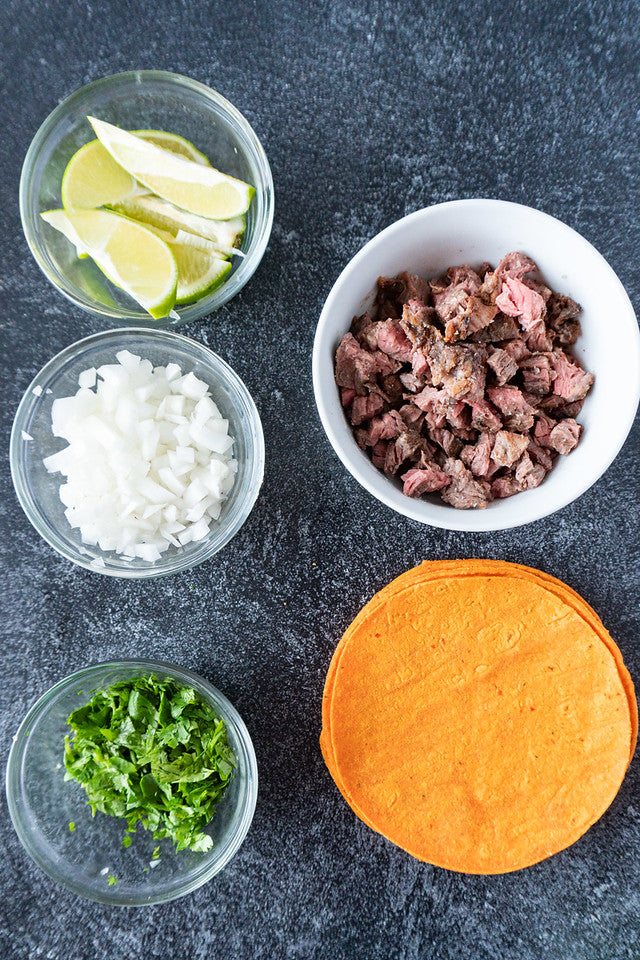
200	190
201	267
159	213
60	221
129	255
93	178
174	143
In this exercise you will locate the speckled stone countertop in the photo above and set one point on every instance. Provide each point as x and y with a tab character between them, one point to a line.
367	110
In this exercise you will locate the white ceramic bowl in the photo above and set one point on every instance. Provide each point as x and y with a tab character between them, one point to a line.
470	231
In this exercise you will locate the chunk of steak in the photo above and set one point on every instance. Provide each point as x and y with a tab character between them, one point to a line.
358	324
540	455
419	323
408	446
508	447
420	364
435	404
451	444
516	299
464	491
561	308
364	408
484	416
464	276
459	416
478	456
422	480
411	382
394	292
392	388
503	365
564	436
392	340
506	486
357	368
346	396
386	427
572	382
475	315
528	474
515	265
538	338
566	333
460	369
379	454
517	349
450	301
517	413
412	415
502	328
537	374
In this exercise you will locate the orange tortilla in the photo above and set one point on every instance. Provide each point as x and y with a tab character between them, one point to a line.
429	753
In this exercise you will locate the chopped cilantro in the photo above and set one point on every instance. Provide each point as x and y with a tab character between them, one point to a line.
126	840
156	854
151	751
72	826
112	880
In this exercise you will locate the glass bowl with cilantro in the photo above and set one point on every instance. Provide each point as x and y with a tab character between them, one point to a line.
132	783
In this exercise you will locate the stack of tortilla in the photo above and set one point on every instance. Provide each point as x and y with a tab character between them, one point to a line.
478	715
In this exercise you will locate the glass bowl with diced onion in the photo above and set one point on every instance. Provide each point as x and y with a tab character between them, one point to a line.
196	126
104	857
137	453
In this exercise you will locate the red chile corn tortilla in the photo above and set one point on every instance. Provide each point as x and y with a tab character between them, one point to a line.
478	714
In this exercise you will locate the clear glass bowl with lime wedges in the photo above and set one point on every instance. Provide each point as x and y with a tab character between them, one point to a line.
190	263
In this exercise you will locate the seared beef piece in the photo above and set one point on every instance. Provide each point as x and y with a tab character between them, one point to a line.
542	429
564	436
346	396
459	416
484	416
508	447
516	265
490	288
538	338
518	300
451	444
540	288
392	388
540	455
393	292
559	408
537	374
503	365
357	369
517	349
367	336
502	328
464	491
475	315
529	474
566	333
450	301
424	480
484	269
393	341
379	452
386	427
572	382
412	415
358	324
517	413
478	457
505	486
411	382
407	447
560	308
364	408
464	276
420	364
419	323
460	369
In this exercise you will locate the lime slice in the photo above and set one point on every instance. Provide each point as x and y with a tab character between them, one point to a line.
129	255
200	190
174	143
60	221
159	213
201	266
93	178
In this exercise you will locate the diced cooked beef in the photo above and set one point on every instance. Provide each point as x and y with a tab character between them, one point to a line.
460	369
503	365
529	474
517	413
564	436
392	340
508	447
571	382
364	408
484	417
460	384
516	299
515	265
422	480
537	374
475	315
502	328
464	491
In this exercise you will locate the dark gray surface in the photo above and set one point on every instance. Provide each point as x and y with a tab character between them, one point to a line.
367	111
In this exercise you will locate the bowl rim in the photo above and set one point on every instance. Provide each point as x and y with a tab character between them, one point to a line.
453	519
254	479
250	263
242	822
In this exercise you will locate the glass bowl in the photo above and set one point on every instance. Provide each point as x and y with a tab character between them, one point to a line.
141	99
42	804
38	490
